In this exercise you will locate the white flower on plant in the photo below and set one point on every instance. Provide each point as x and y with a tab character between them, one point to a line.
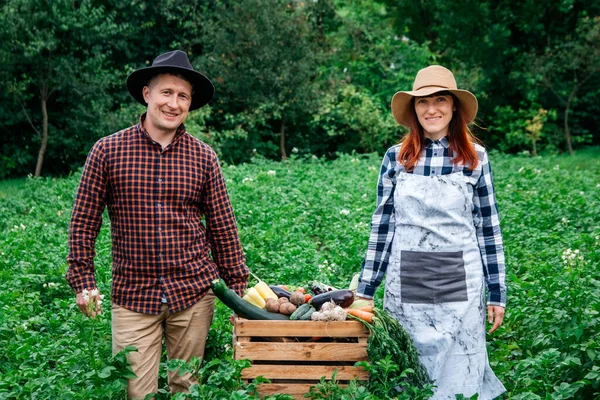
52	285
271	172
247	180
45	285
564	220
232	166
521	169
556	167
344	212
392	66
22	226
538	171
571	257
345	70
372	168
364	196
354	160
294	149
582	193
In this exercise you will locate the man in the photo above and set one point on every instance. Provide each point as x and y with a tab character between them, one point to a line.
157	182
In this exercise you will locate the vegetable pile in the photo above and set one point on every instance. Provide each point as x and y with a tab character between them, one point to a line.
387	339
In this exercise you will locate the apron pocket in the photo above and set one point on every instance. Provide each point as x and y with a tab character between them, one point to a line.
432	277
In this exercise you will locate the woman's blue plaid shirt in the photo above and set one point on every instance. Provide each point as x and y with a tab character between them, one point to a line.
437	160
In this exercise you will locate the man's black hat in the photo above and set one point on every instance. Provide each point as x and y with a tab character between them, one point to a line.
173	62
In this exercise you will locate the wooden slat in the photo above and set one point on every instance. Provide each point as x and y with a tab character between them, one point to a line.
304	372
301	351
296	390
245	327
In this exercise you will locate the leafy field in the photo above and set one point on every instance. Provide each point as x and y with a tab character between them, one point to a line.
309	219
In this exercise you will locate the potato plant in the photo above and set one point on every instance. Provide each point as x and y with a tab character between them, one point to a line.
301	220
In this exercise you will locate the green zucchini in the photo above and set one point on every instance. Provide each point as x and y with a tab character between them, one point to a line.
241	307
306	316
300	311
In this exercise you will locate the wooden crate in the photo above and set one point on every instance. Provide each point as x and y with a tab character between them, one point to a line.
294	355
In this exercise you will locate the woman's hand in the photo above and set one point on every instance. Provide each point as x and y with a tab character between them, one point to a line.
495	316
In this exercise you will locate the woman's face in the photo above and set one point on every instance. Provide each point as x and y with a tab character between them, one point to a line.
434	114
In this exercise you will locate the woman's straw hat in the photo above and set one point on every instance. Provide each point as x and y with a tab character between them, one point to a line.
428	81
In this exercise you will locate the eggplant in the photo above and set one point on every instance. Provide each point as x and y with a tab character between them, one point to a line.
280	292
318	288
343	298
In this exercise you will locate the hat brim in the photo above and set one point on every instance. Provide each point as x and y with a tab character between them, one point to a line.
203	89
401	103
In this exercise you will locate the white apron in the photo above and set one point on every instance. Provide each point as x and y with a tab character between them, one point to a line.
435	283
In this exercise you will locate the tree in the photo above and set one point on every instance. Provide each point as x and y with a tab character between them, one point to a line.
487	44
263	59
51	49
566	66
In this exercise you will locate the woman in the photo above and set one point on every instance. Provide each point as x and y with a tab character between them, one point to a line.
436	236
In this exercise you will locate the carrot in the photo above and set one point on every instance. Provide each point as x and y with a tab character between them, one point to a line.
366	308
364	315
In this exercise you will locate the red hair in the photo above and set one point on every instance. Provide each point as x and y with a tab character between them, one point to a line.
459	135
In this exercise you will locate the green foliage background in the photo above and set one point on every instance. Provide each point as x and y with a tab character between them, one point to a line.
293	230
322	72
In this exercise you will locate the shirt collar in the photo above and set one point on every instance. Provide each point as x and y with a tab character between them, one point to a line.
180	130
443	141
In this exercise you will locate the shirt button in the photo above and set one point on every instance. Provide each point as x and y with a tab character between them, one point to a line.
435	154
433	171
159	180
159	229
159	205
160	255
162	279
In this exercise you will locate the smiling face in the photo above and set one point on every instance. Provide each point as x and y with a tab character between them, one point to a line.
434	114
169	98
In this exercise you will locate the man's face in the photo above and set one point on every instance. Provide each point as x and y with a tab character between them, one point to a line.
169	98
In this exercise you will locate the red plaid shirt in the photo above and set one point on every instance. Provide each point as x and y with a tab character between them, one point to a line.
156	200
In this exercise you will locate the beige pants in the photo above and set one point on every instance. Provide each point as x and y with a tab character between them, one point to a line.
185	334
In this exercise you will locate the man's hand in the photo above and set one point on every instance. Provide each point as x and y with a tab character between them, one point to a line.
495	316
90	302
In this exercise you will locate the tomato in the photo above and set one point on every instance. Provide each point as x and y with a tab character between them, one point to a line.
307	297
301	290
